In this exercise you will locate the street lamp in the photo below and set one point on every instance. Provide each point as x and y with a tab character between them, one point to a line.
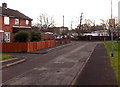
111	22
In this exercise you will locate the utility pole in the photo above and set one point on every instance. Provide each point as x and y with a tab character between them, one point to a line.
63	20
94	24
71	24
80	22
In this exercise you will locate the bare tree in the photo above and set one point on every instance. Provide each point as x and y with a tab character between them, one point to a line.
45	22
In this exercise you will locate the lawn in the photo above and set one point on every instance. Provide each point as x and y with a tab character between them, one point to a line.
5	56
114	60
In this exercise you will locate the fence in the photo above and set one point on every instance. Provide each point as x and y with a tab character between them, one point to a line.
31	46
96	38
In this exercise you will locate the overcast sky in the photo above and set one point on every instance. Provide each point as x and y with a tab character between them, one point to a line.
71	9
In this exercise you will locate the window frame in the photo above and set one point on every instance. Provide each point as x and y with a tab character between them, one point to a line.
6	20
7	36
27	22
17	20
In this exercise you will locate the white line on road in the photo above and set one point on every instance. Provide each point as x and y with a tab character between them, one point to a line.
59	58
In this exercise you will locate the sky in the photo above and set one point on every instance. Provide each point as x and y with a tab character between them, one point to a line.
71	9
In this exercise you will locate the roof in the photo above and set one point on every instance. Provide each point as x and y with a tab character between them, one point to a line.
13	13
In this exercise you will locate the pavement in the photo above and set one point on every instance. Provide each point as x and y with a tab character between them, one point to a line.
11	62
98	70
85	64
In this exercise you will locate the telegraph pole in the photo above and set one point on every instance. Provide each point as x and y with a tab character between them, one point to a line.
80	20
63	20
80	24
71	24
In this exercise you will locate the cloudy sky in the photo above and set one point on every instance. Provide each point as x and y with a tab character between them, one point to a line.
71	9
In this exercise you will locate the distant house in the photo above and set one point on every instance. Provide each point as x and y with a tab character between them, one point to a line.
12	21
57	32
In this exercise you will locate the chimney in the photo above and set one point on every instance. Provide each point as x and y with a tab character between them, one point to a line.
4	5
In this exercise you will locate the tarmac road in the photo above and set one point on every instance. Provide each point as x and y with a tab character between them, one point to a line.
56	67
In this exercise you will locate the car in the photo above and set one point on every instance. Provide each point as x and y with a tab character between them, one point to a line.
118	38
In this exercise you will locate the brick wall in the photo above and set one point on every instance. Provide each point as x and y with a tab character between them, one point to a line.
9	28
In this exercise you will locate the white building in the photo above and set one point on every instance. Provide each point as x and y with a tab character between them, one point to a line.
97	33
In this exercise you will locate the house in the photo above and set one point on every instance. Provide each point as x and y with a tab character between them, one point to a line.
12	21
57	32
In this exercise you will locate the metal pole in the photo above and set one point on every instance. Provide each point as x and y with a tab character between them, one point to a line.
112	44
111	9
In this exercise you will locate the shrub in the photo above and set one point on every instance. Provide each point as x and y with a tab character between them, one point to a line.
35	35
22	36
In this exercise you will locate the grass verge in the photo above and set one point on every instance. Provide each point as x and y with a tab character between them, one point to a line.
5	56
115	59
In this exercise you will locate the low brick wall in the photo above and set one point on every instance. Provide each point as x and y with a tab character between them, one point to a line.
31	46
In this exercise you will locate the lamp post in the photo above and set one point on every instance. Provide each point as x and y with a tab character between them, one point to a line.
111	28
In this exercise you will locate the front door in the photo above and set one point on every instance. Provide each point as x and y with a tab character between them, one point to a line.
7	36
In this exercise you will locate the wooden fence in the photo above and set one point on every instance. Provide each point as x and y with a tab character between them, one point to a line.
31	46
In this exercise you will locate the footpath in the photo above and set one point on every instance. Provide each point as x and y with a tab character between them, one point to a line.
98	70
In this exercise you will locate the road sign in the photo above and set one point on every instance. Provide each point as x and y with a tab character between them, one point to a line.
111	21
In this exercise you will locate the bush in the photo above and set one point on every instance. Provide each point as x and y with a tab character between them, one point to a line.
35	35
22	36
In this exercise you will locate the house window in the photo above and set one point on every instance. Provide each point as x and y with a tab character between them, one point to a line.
6	20
17	22
27	22
7	36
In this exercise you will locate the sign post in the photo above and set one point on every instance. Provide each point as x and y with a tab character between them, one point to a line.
111	25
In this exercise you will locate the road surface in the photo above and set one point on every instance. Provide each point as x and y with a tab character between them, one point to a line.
57	67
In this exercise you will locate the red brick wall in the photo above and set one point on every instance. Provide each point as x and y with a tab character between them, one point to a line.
23	23
8	28
0	22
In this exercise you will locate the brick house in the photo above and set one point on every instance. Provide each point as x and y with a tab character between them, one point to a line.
12	21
